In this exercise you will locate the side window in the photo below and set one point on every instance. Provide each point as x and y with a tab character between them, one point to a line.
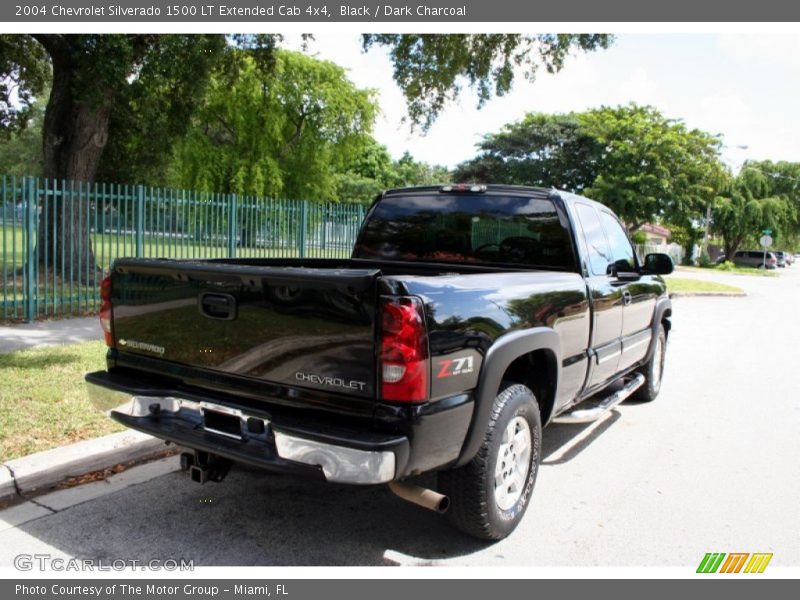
621	249
596	244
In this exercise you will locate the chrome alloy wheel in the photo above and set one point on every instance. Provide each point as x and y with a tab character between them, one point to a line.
513	463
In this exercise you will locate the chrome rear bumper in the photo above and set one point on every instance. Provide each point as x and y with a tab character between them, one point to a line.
258	440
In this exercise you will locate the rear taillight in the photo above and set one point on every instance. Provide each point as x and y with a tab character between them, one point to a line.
105	310
404	351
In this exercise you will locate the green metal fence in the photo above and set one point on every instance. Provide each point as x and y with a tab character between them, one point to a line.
59	238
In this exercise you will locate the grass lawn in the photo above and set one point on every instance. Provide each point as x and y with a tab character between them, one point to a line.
107	247
12	250
731	271
678	284
43	399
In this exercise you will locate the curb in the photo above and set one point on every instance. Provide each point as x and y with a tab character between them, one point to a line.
708	294
7	487
44	470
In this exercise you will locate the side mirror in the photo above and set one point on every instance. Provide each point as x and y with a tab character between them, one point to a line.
622	271
659	264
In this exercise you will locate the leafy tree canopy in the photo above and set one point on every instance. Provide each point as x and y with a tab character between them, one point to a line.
280	132
754	200
24	76
643	165
21	152
374	171
432	69
651	166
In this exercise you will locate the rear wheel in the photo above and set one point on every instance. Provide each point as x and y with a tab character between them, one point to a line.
653	370
490	494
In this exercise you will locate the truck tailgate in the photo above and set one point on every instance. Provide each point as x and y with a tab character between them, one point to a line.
297	326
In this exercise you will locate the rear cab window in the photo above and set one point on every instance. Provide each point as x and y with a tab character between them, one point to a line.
479	228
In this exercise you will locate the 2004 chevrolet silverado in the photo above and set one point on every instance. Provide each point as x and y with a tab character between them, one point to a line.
468	318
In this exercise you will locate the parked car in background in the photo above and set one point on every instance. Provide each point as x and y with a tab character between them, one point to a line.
789	258
780	256
755	259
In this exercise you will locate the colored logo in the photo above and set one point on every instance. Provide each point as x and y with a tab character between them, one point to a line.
734	562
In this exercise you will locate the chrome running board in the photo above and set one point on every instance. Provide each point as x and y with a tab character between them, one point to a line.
597	408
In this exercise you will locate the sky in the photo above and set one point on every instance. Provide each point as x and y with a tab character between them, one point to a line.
745	87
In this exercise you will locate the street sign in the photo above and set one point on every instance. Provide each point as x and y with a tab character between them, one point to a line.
766	241
766	231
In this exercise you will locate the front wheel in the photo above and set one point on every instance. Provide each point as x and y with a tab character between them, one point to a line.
490	494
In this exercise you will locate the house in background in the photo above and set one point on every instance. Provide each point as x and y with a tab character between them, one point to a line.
658	241
656	234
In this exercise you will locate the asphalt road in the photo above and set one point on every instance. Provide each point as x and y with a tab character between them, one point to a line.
712	465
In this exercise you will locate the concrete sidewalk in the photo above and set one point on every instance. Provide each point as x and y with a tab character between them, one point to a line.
49	333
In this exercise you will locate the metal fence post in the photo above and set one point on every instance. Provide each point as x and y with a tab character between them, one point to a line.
232	226
29	287
301	239
324	233
138	221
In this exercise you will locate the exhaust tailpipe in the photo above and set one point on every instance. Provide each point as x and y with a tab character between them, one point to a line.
420	496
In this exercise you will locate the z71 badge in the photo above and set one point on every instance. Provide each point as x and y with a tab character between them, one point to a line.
455	366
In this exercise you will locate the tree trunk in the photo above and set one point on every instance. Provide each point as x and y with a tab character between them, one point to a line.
731	246
74	136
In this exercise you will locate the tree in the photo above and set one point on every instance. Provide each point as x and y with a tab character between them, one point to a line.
432	69
632	158
24	75
21	151
95	77
374	171
366	175
541	150
783	181
408	172
160	103
746	207
285	132
652	167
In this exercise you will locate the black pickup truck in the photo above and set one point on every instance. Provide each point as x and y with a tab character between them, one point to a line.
468	318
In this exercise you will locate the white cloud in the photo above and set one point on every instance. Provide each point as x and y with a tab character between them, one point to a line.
638	88
780	48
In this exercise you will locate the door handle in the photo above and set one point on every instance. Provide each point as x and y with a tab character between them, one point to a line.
627	298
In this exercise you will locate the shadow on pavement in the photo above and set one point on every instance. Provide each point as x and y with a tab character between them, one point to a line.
572	439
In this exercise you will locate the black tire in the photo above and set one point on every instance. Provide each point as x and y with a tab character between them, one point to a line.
653	370
474	504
